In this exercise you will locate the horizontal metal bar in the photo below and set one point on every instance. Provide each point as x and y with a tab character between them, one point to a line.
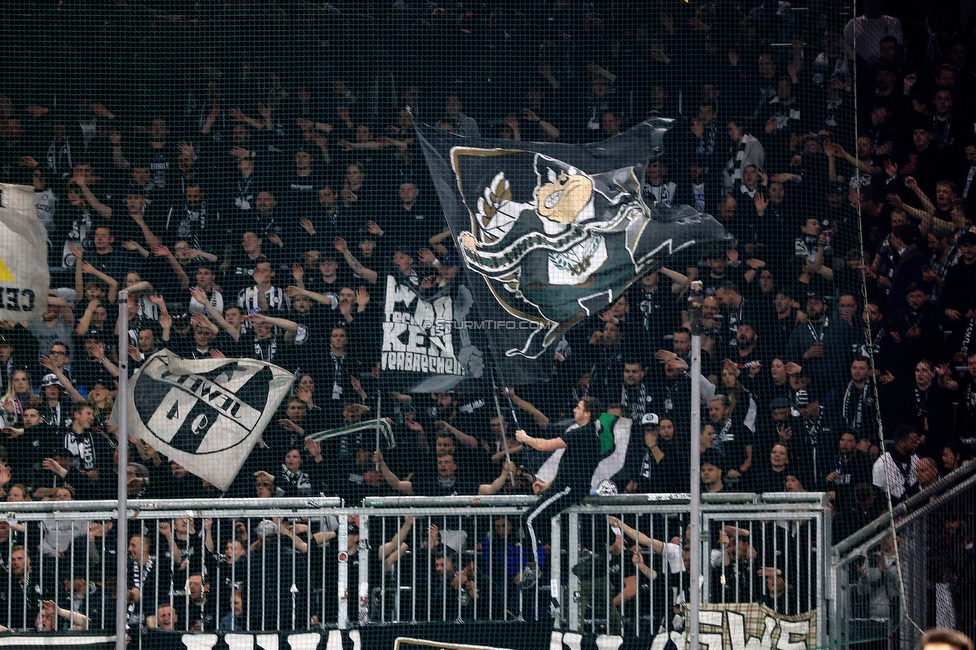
152	505
746	510
902	520
814	498
451	501
446	512
950	485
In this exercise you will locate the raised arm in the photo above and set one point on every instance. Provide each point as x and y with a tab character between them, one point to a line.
103	210
118	156
538	416
679	281
113	284
78	252
97	350
141	287
78	621
463	438
549	129
201	297
178	270
639	537
166	530
328	300
508	470
547	445
85	321
239	116
287	529
437	243
208	534
367	274
69	388
390	547
283	323
391	479
194	253
64	309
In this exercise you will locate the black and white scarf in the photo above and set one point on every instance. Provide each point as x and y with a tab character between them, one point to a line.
855	399
813	428
725	434
338	374
298	480
140	575
59	158
943	132
635	401
922	402
266	349
706	143
248	299
969	398
967	337
82	447
734	167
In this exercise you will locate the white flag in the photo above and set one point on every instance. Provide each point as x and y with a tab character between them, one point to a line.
24	278
205	414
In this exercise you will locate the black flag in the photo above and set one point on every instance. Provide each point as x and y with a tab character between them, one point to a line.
553	233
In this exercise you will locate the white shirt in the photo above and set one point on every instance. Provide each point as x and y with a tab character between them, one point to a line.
886	475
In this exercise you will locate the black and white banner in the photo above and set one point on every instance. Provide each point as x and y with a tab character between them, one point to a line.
535	635
554	233
24	277
205	414
427	337
723	627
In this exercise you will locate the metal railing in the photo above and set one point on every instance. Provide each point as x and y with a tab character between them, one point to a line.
415	559
889	579
744	537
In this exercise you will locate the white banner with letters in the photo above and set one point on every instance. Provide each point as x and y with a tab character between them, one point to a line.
24	277
205	414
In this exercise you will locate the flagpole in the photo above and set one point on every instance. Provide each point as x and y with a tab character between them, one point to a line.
501	424
122	537
511	406
695	298
379	403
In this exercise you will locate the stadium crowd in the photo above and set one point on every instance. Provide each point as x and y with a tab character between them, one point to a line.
250	175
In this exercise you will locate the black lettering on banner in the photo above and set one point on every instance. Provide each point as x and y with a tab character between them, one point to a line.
203	388
14	299
194	428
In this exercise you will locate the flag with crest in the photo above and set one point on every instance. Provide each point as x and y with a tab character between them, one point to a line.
206	414
554	233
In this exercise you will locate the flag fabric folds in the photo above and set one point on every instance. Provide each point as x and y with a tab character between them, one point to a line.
553	233
24	277
205	414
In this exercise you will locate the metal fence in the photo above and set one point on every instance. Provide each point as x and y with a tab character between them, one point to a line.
891	582
769	549
283	564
